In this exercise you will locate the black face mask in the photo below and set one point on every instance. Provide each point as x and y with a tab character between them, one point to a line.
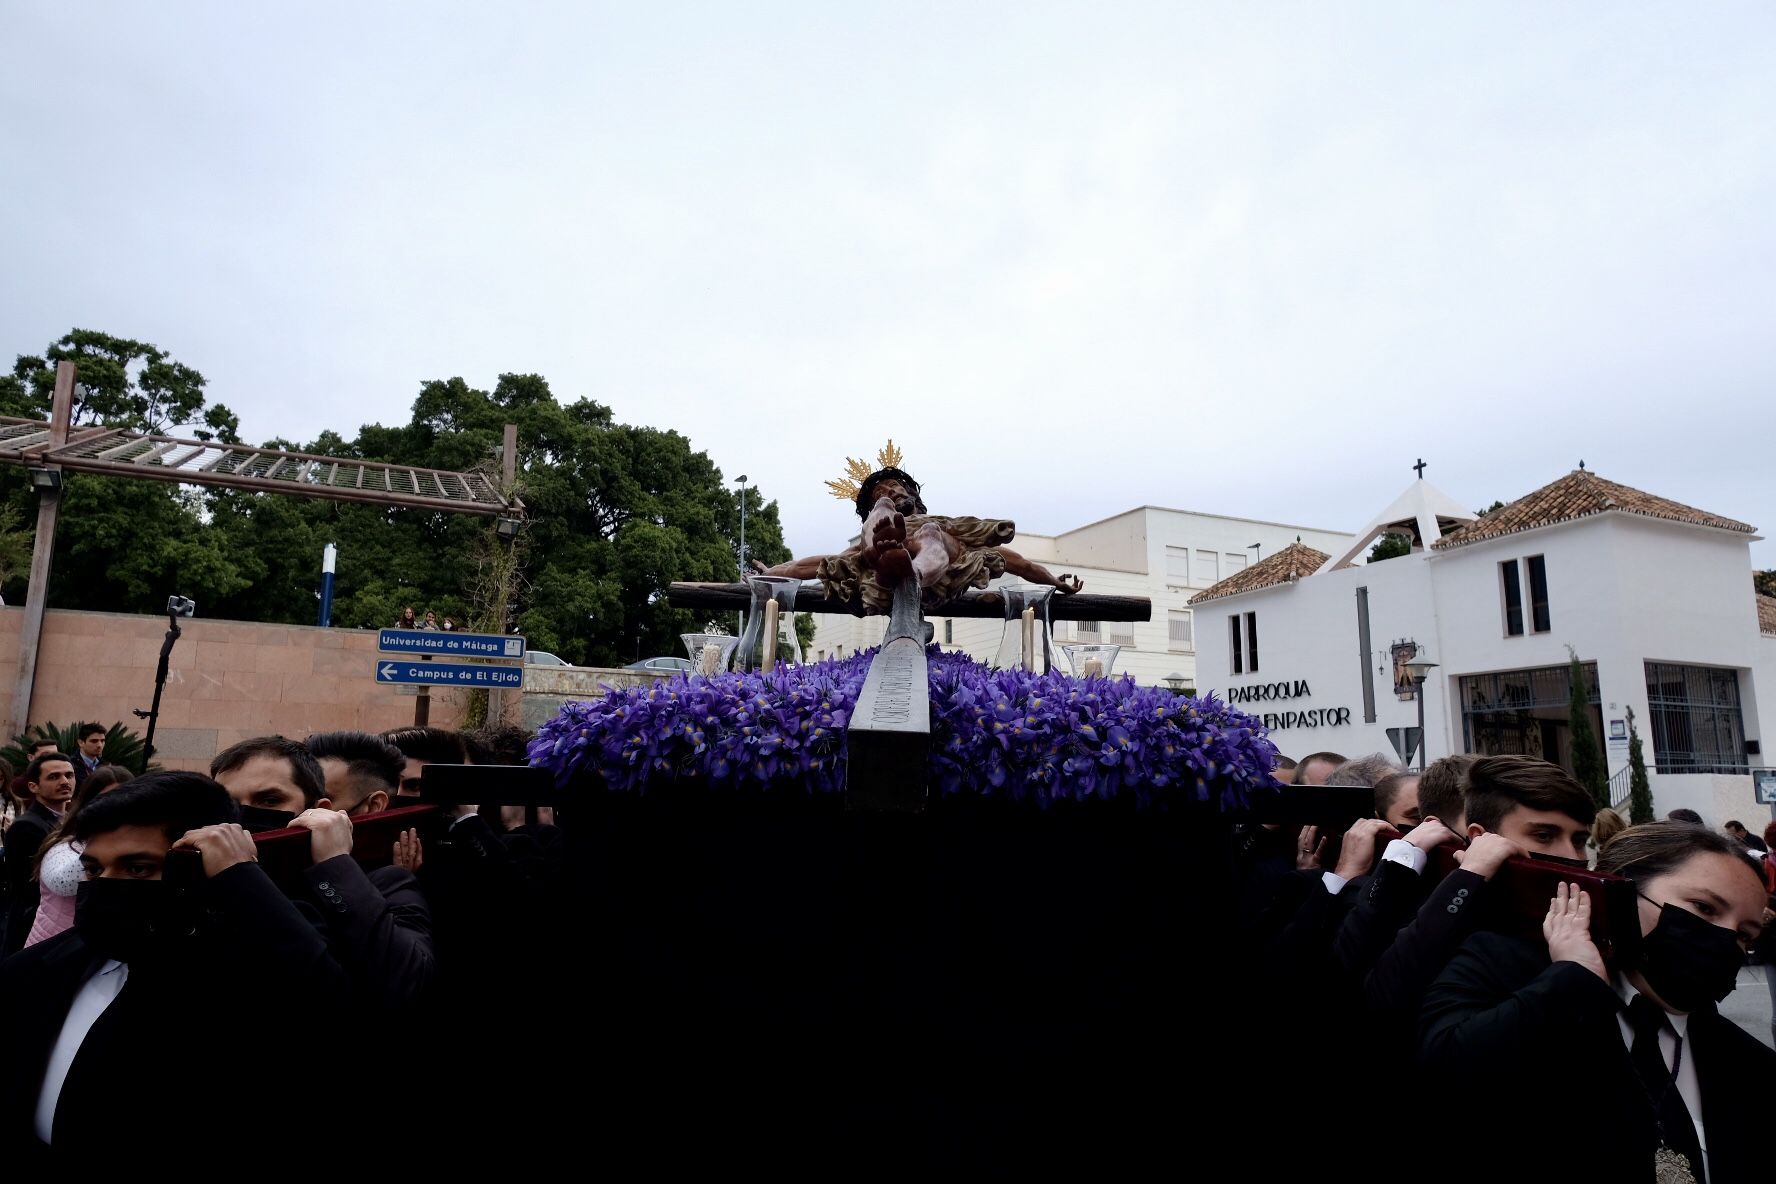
257	819
1687	960
1564	861
132	920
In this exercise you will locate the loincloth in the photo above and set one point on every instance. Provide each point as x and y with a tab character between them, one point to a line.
847	579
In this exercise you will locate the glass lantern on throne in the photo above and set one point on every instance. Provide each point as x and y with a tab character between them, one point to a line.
1027	641
769	636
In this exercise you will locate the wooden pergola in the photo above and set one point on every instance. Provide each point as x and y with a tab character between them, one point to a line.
52	448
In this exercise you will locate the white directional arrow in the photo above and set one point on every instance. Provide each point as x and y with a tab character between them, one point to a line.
388	669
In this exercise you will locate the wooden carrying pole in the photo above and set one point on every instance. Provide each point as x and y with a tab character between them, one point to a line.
49	504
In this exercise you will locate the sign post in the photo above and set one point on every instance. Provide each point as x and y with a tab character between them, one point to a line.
415	665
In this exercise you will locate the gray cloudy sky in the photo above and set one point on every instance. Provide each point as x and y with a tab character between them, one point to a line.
1247	258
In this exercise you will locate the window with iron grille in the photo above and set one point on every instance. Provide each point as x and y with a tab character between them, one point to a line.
1182	635
1122	633
1695	718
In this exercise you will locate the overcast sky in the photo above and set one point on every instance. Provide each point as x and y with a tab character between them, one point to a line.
1245	258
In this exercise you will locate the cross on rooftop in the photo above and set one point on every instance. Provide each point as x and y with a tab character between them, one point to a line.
1420	468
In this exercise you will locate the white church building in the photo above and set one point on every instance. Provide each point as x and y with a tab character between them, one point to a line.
1654	597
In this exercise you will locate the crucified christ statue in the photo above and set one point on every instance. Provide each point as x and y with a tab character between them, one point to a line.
901	539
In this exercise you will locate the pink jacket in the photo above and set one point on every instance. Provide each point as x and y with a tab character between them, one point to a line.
59	879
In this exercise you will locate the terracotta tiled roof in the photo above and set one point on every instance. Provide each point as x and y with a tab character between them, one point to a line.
1579	494
1285	567
1767	614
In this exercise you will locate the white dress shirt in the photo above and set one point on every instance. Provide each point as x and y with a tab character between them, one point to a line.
1687	1087
90	1002
1399	851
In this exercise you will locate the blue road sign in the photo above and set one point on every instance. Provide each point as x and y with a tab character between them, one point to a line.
449	674
451	645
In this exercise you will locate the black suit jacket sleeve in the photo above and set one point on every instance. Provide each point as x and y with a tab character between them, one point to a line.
1452	912
267	940
1501	1006
378	927
22	842
1304	945
1374	921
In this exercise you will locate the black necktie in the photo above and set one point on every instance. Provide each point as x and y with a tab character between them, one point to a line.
1677	1127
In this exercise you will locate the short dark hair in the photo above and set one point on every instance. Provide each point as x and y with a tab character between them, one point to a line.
172	800
435	746
501	744
1654	849
866	503
1388	790
42	742
1684	815
34	770
90	729
365	755
1496	785
305	770
1732	824
1440	789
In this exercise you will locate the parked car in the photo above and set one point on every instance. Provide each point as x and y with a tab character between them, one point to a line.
543	658
661	665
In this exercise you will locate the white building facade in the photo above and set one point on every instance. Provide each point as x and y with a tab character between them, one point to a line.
1655	598
1164	555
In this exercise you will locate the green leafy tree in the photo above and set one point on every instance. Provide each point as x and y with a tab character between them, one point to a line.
1640	790
123	544
120	383
1390	546
1764	582
1587	755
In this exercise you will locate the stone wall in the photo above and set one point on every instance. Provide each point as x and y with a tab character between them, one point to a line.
228	680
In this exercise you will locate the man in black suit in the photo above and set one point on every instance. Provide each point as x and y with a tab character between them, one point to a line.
377	923
1512	805
91	754
50	780
1668	1086
133	1039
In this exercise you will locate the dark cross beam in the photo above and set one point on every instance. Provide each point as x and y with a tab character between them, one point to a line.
1419	468
1082	606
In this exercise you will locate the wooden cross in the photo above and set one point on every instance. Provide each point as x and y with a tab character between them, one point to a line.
888	741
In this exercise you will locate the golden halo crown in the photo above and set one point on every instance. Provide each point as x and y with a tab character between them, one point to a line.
846	488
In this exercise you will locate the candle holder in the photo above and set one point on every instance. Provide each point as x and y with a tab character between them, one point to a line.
1091	661
710	652
770	625
1028	640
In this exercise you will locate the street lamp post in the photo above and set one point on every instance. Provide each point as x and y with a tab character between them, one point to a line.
742	480
1418	668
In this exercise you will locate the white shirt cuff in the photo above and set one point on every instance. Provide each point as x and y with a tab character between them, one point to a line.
1404	853
1333	881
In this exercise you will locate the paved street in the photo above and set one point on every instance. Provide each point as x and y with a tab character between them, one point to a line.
1749	1004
